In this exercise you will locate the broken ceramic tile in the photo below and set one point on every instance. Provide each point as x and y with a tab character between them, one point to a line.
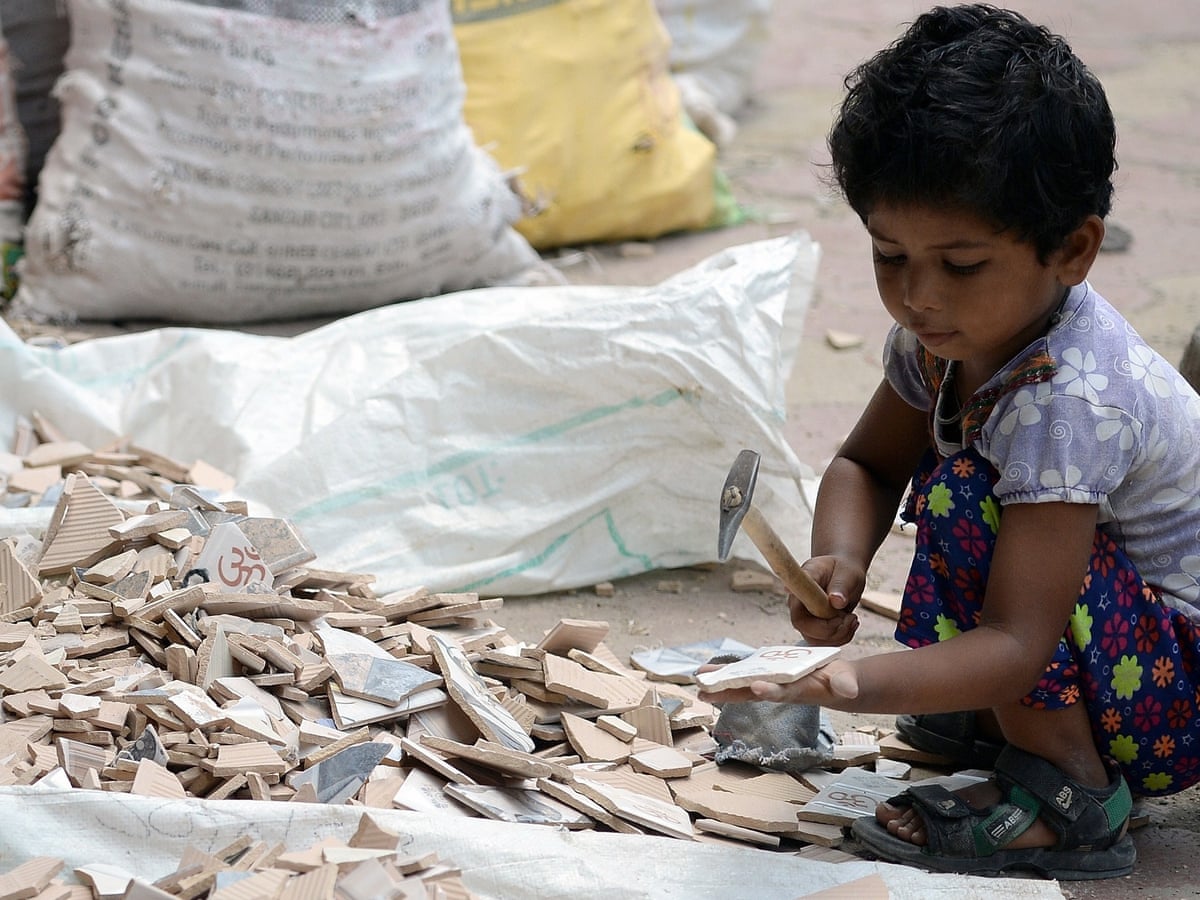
23	589
217	659
471	694
367	880
383	680
147	746
278	542
78	531
568	634
249	719
30	878
233	760
339	777
424	792
679	664
364	670
354	712
155	780
105	881
524	805
648	812
847	799
186	496
776	664
232	563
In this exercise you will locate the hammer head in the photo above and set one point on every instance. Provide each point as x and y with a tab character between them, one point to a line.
735	500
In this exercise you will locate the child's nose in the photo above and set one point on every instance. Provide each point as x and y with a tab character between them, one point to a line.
920	292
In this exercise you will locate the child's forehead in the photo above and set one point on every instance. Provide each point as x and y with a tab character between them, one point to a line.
944	226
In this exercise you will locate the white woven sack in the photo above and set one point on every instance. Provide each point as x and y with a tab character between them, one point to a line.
506	441
717	45
223	166
715	48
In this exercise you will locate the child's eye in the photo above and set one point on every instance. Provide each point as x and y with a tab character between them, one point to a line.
881	260
964	270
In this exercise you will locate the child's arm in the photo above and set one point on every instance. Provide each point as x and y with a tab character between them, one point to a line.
1040	560
856	506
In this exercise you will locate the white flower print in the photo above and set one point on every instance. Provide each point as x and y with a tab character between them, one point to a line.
1185	584
1115	424
1078	374
1154	450
1068	479
1192	402
1144	366
1184	494
1025	409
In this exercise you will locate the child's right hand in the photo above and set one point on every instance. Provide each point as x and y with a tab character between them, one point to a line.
844	584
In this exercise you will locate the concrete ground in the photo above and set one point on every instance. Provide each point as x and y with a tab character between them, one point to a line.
1147	56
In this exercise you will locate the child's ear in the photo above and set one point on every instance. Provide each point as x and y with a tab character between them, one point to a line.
1079	250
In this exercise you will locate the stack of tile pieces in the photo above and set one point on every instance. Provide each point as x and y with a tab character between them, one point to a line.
159	641
366	867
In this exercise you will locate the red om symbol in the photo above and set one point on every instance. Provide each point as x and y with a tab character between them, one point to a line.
243	572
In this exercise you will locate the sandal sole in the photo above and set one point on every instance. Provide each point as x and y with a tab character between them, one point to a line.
1064	865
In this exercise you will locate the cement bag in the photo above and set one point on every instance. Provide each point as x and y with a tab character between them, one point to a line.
576	95
220	165
715	48
504	440
37	34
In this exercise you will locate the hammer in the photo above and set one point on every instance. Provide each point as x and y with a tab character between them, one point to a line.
737	511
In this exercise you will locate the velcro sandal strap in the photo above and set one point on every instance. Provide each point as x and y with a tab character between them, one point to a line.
1042	779
1100	813
953	828
935	799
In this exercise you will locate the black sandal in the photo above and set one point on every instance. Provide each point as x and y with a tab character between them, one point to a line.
1091	825
952	735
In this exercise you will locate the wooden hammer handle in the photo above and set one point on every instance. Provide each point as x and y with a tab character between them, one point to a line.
783	564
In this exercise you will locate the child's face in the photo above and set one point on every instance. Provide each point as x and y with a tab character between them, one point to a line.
966	291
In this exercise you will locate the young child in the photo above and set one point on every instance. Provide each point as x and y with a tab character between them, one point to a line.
1055	586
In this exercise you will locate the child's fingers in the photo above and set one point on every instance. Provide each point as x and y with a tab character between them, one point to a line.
843	583
836	681
822	632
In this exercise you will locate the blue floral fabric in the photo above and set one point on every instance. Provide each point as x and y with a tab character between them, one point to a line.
1133	660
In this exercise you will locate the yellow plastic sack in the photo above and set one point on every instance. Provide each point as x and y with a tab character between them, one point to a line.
576	96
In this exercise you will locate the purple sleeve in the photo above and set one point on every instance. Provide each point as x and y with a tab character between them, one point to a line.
1052	447
901	369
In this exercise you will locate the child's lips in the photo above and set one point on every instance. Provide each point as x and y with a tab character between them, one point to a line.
931	337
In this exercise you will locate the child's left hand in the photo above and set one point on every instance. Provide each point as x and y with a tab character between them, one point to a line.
831	685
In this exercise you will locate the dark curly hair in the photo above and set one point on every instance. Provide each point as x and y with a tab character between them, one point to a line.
977	108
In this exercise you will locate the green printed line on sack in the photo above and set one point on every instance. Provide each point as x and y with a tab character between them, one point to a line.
64	362
646	563
408	481
463	11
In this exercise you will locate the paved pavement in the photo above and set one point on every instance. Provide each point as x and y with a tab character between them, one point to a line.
1148	56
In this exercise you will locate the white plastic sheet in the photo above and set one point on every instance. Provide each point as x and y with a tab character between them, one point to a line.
146	836
505	440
